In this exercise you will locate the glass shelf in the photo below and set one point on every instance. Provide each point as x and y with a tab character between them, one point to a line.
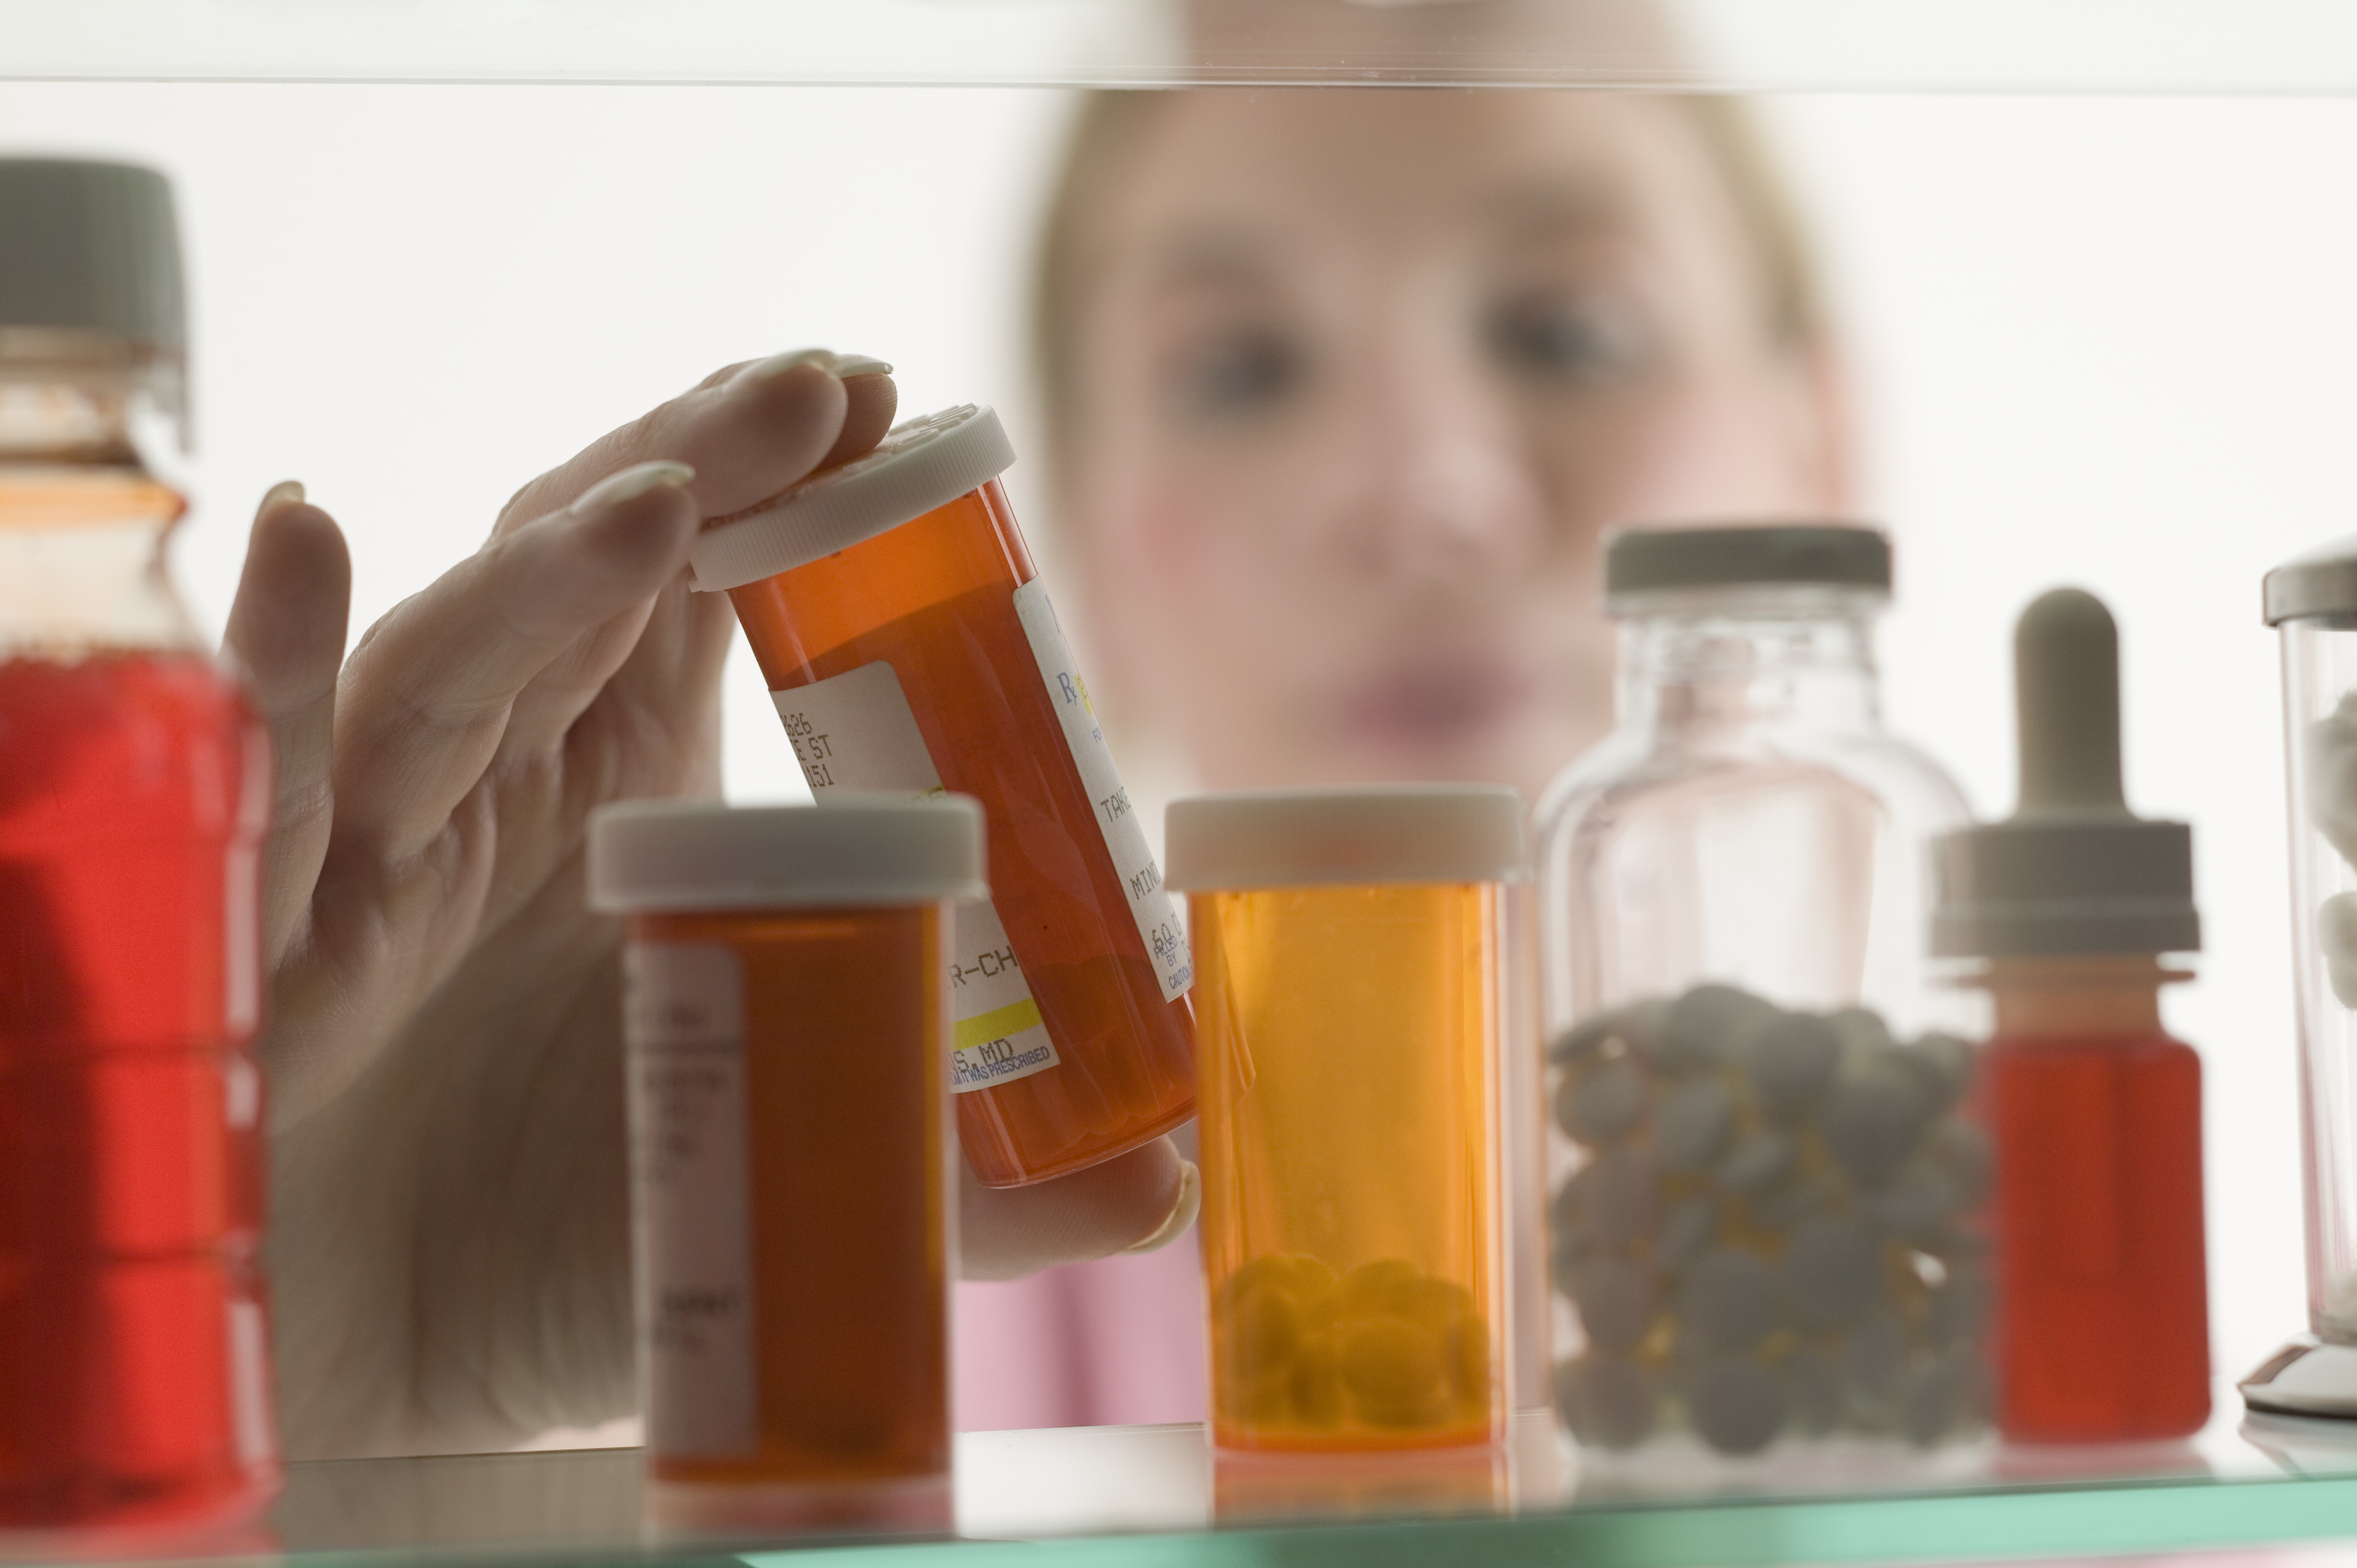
2134	46
1149	1497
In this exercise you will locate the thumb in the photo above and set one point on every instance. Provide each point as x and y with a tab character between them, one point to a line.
1132	1203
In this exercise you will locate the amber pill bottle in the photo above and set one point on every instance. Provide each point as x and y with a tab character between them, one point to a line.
1350	945
910	647
786	1029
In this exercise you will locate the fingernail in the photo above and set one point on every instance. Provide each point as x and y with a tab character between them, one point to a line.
827	359
285	492
1183	1211
632	483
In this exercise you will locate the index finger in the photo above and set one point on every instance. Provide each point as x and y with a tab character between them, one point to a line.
749	430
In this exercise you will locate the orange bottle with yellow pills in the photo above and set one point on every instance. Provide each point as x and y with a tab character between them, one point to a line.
1349	943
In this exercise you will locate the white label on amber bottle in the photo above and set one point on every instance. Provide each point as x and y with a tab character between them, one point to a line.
1125	835
856	731
683	1026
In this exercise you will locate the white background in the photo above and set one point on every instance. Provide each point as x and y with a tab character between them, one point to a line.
2109	342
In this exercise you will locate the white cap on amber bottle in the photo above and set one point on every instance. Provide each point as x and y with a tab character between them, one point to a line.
921	464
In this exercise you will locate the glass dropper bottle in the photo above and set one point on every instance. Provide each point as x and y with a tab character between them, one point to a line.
2069	913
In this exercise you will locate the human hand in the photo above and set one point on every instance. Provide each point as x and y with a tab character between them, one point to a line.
449	1241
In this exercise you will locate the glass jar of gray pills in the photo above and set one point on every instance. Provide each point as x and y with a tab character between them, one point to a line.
1766	1176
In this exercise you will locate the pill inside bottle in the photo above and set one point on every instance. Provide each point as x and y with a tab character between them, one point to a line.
787	1039
909	646
1349	943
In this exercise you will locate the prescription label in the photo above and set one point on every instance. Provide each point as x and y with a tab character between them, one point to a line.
856	731
683	1032
1125	835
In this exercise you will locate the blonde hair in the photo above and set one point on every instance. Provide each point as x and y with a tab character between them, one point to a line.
1110	124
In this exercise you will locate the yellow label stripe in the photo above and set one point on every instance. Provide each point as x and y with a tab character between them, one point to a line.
997	1024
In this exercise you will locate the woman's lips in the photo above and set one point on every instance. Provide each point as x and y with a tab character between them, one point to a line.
1428	703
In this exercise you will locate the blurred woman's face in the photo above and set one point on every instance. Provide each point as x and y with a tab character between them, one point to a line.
1360	379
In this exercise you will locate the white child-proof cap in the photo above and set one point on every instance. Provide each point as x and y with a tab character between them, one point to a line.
1366	835
857	851
921	464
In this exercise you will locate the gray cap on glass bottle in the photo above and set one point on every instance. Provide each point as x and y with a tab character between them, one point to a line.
2072	871
1646	561
92	248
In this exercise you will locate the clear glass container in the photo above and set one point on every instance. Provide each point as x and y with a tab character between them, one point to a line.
2312	602
1764	1211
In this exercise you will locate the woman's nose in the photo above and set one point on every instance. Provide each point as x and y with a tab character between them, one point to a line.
1451	499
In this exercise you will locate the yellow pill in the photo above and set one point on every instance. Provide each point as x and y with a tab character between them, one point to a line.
1266	1400
1368	1289
1394	1372
1437	1305
1260	1328
1268	1268
1469	1360
1316	1386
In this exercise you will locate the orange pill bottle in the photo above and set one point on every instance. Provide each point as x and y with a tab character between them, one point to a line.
1349	944
910	648
786	1027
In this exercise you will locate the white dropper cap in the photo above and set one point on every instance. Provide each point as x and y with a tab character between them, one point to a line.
1371	835
2072	871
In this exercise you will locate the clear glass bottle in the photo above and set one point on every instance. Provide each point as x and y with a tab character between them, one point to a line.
134	788
1765	1189
2311	601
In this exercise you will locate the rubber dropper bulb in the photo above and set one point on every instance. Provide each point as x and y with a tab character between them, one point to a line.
2066	674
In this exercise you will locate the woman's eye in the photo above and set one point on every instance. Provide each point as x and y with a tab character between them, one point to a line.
1583	341
1241	373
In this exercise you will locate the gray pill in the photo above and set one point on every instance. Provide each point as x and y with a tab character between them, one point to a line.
1915	1207
1602	1103
1757	1161
1814	1383
1567	1211
1616	1302
1785	1206
1736	1405
1792	1062
1692	1124
1873	1358
1831	1269
1932	1393
1606	1401
1728	1301
1872	1120
1712	1025
1961	1152
1622	1197
1568	1256
1958	1307
1582	1039
1689	1228
1951	1059
1861	1031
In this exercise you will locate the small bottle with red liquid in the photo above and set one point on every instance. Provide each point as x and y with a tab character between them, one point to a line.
134	788
2068	912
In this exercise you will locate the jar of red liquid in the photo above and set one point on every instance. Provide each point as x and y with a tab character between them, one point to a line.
135	787
785	1010
910	648
2065	911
